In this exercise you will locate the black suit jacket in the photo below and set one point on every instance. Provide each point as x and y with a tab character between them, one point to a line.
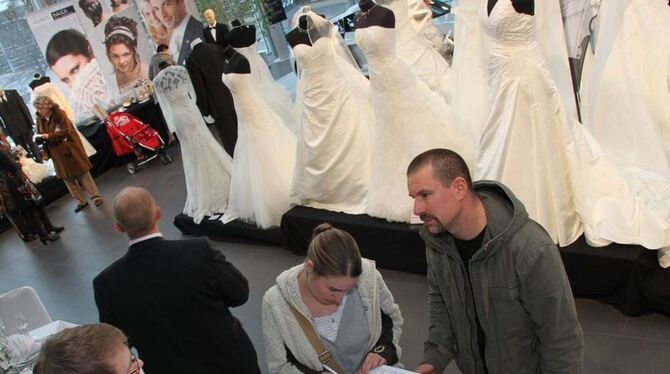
221	34
205	67
16	119
193	30
171	298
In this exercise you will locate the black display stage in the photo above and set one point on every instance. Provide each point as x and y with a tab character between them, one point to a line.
625	276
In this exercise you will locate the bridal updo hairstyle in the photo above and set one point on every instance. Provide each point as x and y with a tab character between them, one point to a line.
334	252
122	30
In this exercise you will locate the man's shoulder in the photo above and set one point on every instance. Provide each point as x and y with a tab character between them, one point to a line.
193	25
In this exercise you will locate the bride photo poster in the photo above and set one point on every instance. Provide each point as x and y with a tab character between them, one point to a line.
97	51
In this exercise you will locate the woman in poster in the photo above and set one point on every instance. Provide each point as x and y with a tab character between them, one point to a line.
71	59
121	48
157	31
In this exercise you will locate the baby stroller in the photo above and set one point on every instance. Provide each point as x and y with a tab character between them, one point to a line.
129	134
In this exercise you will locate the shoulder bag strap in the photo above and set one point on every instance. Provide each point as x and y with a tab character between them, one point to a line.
315	341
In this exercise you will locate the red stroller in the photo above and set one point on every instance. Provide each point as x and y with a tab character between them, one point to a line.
129	134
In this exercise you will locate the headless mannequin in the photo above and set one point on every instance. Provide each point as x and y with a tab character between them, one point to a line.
521	6
374	15
235	62
300	34
38	80
241	36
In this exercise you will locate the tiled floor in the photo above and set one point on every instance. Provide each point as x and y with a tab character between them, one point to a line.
62	272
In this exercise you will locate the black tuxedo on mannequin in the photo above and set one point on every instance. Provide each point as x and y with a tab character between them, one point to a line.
205	67
17	123
221	34
171	298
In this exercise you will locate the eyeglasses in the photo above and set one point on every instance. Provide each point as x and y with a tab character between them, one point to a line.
134	363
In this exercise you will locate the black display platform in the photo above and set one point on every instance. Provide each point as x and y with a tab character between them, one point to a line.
235	231
625	276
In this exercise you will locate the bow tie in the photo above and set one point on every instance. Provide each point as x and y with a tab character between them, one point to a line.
211	27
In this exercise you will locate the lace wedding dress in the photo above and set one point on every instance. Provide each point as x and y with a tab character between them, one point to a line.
334	137
206	165
409	119
567	182
87	90
49	90
274	94
264	158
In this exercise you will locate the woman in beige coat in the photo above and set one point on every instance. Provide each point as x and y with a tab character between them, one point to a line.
65	149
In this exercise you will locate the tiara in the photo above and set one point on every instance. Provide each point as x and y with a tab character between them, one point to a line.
121	30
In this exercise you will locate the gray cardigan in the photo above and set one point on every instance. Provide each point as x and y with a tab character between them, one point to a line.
521	296
281	330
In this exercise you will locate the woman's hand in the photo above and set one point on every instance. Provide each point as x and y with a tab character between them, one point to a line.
372	361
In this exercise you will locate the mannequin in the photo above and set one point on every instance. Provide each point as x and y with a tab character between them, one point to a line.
299	35
214	32
241	36
373	15
16	121
521	6
38	80
213	98
234	62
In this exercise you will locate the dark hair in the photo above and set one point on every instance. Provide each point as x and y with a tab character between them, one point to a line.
82	349
93	13
447	165
67	42
334	252
117	31
161	48
111	3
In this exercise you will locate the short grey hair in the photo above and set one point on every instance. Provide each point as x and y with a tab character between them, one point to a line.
42	101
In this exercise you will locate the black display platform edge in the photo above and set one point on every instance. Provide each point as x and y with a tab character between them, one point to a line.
625	276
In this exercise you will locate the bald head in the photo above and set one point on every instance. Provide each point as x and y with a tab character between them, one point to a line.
136	212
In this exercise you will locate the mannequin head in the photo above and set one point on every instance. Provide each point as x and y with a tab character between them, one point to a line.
236	23
210	17
67	53
170	12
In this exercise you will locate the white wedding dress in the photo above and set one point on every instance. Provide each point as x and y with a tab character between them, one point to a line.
207	166
417	51
567	182
334	135
274	94
51	91
264	158
626	90
409	119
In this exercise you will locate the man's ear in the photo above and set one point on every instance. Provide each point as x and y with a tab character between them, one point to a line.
158	214
119	228
460	185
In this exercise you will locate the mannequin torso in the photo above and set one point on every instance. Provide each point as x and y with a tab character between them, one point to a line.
521	6
374	15
241	36
36	82
235	63
300	34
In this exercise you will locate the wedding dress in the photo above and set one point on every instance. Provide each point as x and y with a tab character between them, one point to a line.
51	91
417	51
206	165
334	134
409	119
274	94
567	182
264	158
626	90
87	90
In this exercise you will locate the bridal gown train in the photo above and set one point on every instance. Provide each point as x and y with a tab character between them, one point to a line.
206	165
409	119
567	182
274	94
264	158
334	134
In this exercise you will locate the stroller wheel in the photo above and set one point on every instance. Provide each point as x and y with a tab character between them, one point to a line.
166	159
131	168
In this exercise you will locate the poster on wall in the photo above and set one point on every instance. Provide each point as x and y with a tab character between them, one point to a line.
69	54
175	23
124	51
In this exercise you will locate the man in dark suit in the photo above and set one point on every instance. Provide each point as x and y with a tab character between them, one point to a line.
183	26
214	32
172	297
213	98
16	122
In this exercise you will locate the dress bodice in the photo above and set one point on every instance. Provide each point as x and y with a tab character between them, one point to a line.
316	59
173	81
378	43
506	26
239	84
